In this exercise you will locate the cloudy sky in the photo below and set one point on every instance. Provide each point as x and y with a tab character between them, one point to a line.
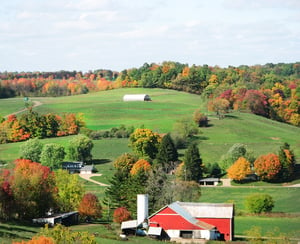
51	35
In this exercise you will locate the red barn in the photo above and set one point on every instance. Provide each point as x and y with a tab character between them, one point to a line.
195	220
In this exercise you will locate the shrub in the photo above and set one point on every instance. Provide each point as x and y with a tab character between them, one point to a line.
259	203
121	214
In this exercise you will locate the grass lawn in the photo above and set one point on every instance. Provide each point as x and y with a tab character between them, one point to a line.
286	198
270	227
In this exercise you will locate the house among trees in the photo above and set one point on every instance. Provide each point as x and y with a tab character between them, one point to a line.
136	97
78	167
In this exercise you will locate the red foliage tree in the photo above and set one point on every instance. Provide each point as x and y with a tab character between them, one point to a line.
267	167
33	189
256	102
121	214
90	206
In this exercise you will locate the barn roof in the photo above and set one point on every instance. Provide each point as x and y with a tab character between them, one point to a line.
208	210
186	215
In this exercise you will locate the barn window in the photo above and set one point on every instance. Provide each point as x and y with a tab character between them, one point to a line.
186	234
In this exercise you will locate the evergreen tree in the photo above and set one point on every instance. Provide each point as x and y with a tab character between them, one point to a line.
287	160
192	163
167	154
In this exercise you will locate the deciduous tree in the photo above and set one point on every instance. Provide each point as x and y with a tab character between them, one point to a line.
259	203
145	142
33	189
69	191
268	167
121	214
239	170
80	148
31	150
52	155
90	206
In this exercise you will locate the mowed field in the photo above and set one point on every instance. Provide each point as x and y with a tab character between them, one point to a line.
104	110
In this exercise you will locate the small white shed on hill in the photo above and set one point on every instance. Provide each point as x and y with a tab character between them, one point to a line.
136	97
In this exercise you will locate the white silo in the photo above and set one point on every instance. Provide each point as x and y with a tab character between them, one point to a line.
142	208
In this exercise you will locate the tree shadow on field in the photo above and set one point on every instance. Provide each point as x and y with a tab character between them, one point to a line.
16	228
100	161
232	116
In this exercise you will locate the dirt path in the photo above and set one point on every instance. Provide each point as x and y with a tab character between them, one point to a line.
88	177
35	104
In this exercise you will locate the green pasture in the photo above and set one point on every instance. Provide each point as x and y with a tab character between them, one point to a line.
286	198
104	110
270	227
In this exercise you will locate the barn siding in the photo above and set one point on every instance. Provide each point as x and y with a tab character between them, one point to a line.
222	225
172	222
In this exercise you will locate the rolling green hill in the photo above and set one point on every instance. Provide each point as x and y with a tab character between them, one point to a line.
104	110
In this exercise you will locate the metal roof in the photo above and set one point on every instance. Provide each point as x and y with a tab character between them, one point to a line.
190	218
208	210
154	231
210	180
130	224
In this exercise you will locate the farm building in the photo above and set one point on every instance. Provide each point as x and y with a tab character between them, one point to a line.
136	97
78	167
66	219
189	220
195	220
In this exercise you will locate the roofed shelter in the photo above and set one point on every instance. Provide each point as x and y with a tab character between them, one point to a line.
136	97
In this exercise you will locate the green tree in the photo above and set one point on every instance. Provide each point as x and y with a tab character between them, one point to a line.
185	128
234	153
192	163
125	162
200	119
70	191
80	148
156	183
31	150
167	155
52	155
287	160
144	143
259	203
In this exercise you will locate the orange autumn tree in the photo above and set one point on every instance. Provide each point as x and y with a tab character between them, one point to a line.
90	207
140	166
121	214
33	189
239	170
268	167
37	240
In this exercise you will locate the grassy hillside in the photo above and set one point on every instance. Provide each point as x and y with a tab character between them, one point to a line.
106	109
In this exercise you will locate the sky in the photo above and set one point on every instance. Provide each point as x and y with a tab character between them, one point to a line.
83	35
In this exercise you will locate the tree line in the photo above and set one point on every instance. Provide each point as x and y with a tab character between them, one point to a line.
270	90
34	125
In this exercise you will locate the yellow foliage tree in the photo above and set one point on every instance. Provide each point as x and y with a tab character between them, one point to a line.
239	170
